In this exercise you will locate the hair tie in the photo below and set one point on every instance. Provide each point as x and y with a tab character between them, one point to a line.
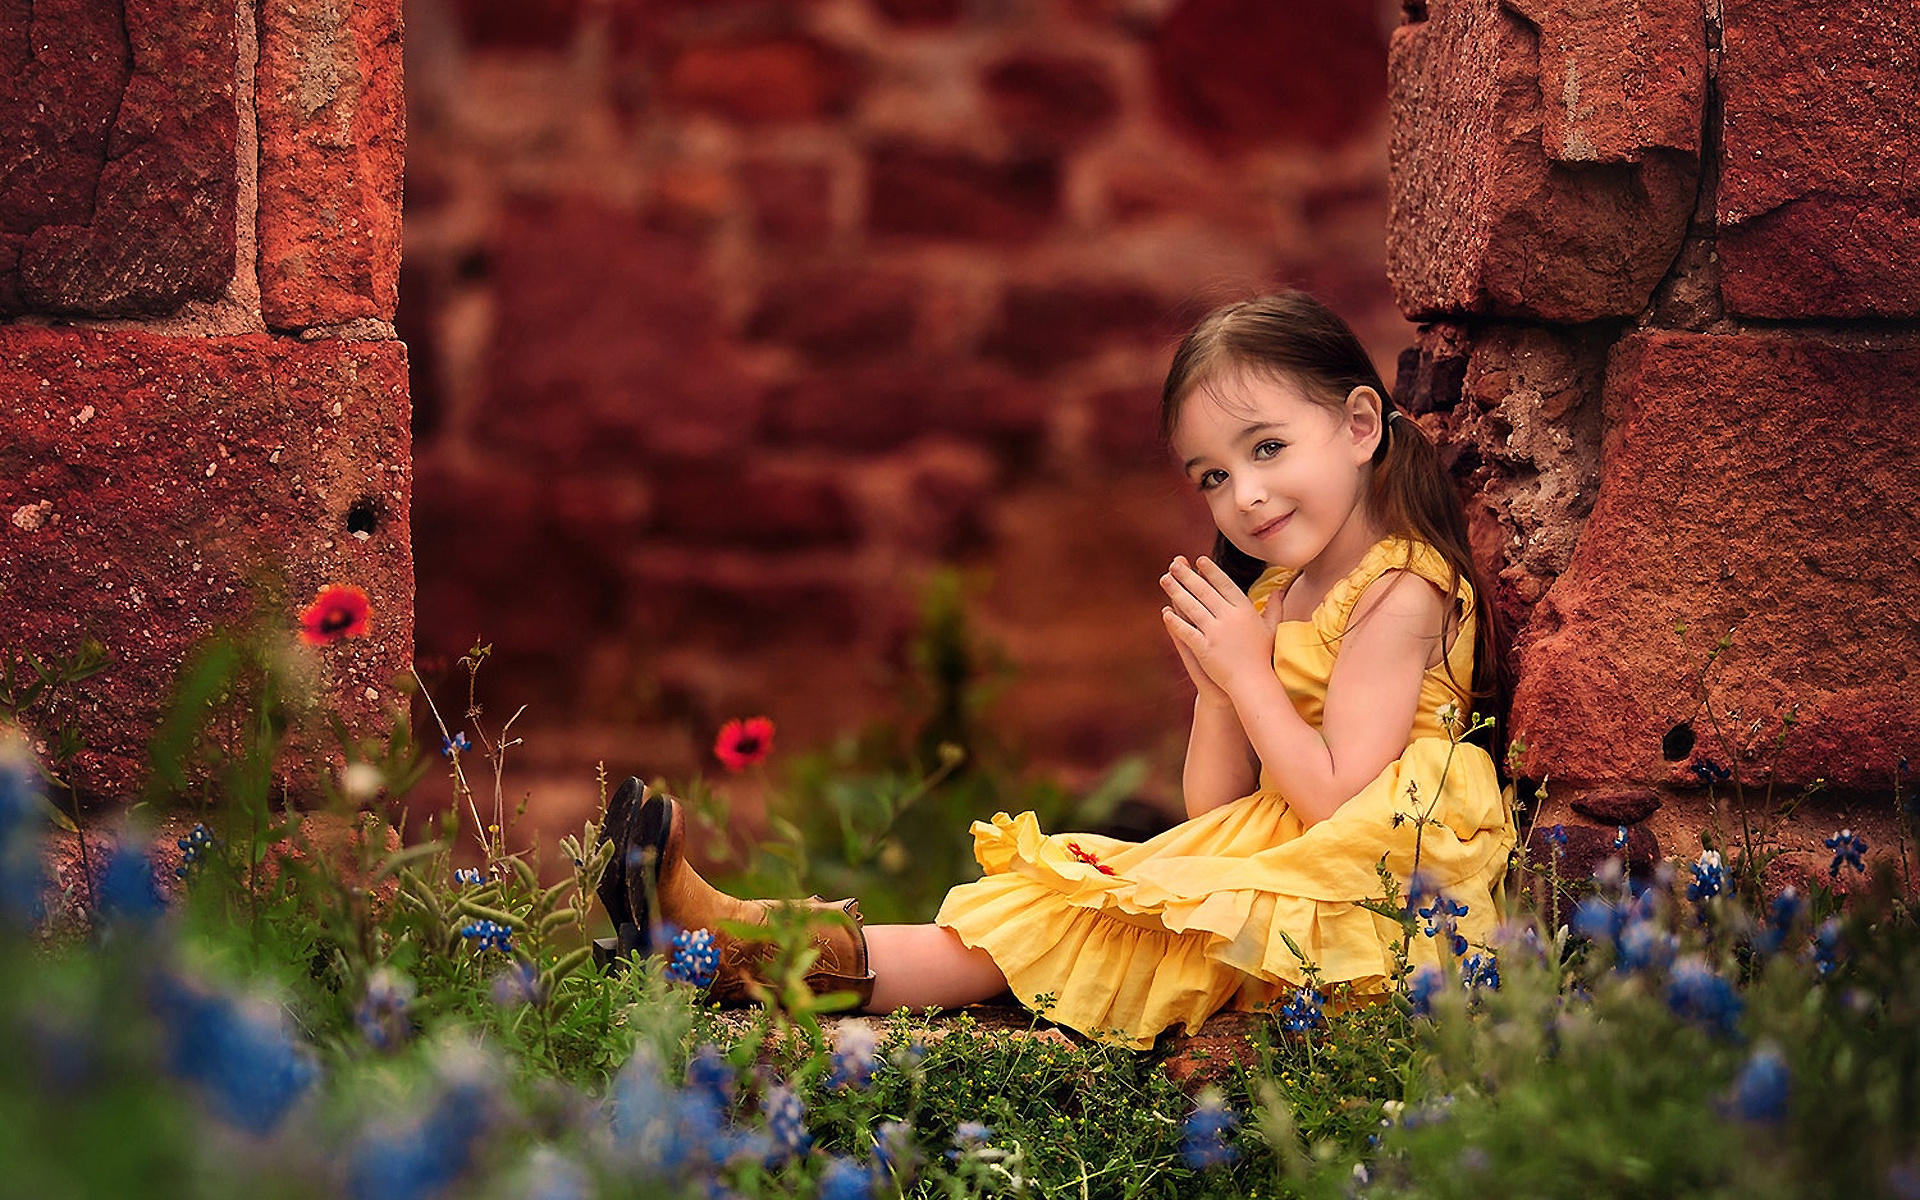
1393	416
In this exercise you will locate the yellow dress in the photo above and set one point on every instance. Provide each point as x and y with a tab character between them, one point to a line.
1129	938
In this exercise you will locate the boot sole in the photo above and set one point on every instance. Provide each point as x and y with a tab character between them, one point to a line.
655	827
612	888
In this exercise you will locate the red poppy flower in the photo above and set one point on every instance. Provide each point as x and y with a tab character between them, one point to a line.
1086	857
741	744
339	611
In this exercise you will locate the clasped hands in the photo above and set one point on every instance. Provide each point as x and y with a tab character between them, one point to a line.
1220	635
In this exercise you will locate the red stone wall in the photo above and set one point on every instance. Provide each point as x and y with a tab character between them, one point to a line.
199	247
1667	264
731	321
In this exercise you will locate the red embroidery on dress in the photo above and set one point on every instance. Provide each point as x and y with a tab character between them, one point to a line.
1074	849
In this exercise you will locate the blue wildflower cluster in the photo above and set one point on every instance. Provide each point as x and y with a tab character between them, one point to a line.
695	958
468	876
1849	850
383	1014
488	935
1303	1012
1203	1143
1783	914
1762	1088
1440	917
22	874
424	1157
1702	995
1620	837
193	850
457	744
238	1055
128	893
1480	972
1710	773
853	1056
1556	836
1825	951
1709	877
1422	988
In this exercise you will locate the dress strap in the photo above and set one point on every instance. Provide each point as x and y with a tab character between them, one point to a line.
1390	554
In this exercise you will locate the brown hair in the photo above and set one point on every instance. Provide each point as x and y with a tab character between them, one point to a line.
1294	337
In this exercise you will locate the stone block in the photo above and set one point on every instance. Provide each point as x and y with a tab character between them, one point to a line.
1239	74
1047	101
791	201
762	80
332	132
187	485
118	193
1545	157
1795	541
1042	326
608	344
518	24
773	505
881	404
1819	215
837	313
931	192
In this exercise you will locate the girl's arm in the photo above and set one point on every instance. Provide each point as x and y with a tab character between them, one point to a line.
1389	642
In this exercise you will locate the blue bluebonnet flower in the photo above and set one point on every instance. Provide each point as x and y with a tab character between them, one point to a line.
895	1154
1481	971
1204	1145
1620	838
666	1129
1762	1088
457	744
193	850
1598	919
1827	946
1709	772
844	1179
1782	915
1303	1011
786	1119
421	1159
1440	917
1556	836
382	1014
1422	988
468	876
1849	850
971	1135
515	984
489	935
695	958
853	1055
1699	993
1709	877
709	1071
22	866
1645	946
238	1055
128	891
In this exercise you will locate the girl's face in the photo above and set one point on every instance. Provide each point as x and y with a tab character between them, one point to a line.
1285	477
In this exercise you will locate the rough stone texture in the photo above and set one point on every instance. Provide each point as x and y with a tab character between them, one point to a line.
1545	156
1819	204
935	193
764	80
331	121
1749	488
118	167
1517	412
188	485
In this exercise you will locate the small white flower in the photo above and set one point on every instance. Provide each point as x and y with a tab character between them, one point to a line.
1449	716
361	781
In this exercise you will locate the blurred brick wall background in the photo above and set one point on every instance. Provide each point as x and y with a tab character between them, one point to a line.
731	321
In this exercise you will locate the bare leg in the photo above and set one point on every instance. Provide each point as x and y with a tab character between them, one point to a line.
925	966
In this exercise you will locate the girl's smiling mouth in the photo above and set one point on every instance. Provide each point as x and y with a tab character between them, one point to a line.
1273	526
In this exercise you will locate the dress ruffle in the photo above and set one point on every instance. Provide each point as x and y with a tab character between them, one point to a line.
1200	917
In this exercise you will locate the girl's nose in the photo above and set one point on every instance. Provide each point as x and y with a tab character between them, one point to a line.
1247	492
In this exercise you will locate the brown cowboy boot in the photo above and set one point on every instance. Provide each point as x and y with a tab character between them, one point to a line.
663	888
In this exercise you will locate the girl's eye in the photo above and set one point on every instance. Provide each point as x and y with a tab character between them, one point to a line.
1268	449
1211	479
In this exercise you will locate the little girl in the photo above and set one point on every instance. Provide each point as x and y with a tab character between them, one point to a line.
1322	751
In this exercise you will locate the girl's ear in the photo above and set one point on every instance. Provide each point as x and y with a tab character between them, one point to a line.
1365	421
